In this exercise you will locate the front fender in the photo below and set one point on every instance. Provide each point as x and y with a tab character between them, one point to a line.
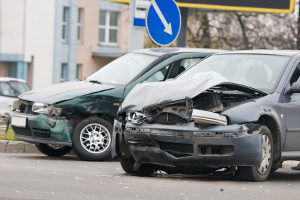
253	111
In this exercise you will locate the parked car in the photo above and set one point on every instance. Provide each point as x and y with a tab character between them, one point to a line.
80	114
10	89
234	109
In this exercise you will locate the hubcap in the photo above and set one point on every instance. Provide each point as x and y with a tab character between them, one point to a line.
266	155
95	138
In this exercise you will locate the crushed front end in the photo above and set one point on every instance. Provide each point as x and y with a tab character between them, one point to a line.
189	133
40	123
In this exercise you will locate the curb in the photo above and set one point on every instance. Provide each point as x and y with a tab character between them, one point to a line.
7	146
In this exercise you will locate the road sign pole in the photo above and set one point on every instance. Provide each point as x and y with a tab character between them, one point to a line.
136	36
181	39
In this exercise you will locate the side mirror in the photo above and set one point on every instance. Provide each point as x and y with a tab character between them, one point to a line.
295	88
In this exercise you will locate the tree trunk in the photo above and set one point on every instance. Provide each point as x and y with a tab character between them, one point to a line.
245	37
298	27
206	41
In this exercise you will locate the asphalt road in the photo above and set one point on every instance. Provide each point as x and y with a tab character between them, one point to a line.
33	176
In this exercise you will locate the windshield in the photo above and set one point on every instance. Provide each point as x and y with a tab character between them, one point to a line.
257	71
122	70
13	88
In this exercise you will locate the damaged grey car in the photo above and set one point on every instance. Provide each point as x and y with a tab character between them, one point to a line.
235	110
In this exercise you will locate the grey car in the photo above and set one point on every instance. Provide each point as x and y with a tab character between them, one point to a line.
238	110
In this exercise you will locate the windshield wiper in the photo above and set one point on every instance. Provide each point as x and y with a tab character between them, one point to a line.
95	81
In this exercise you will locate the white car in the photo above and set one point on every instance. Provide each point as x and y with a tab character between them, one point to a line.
10	89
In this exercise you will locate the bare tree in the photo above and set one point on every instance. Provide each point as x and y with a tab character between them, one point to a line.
237	30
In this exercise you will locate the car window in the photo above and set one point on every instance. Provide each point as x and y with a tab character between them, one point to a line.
158	76
173	69
13	88
253	70
295	75
180	66
122	70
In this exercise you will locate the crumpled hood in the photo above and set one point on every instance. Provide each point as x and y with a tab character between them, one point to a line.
150	94
64	91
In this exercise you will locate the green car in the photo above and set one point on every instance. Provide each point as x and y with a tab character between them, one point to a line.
79	114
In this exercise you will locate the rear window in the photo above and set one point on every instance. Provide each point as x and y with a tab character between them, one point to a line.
13	88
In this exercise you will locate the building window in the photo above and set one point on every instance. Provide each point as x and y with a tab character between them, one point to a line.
79	24
78	71
12	69
65	23
64	72
108	27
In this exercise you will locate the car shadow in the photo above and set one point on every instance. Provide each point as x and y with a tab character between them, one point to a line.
68	157
280	176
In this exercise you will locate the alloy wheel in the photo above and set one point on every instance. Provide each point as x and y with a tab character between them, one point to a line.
266	155
95	138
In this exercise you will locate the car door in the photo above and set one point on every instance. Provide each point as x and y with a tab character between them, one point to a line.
293	115
167	69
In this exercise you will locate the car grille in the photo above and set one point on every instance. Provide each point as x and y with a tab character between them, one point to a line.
215	150
176	149
41	133
36	133
22	131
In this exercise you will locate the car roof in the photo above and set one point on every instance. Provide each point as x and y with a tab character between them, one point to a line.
6	79
265	52
174	50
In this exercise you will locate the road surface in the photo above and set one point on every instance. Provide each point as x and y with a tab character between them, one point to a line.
34	176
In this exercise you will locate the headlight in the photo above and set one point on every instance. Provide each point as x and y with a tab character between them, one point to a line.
40	108
43	108
136	118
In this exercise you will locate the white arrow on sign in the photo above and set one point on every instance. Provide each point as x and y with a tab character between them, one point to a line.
168	26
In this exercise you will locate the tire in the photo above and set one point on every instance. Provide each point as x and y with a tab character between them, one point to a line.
260	172
91	139
128	166
53	150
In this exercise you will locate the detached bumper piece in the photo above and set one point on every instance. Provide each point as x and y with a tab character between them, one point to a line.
189	146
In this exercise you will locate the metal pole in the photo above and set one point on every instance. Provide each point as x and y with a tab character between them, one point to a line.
136	35
181	40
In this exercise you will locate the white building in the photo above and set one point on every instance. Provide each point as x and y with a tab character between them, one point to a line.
48	41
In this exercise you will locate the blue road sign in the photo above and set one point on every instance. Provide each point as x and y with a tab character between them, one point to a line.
163	21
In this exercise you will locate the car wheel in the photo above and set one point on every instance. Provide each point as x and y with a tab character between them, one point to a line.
128	166
261	171
53	150
92	139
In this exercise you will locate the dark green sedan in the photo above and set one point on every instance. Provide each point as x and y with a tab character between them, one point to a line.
79	114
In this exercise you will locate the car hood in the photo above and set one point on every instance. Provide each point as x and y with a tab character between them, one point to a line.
151	94
64	91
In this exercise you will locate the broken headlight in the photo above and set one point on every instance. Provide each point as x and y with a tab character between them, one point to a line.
136	118
43	108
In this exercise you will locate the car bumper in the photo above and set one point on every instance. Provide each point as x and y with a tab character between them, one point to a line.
43	129
189	146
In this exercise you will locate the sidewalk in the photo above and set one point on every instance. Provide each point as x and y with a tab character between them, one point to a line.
7	146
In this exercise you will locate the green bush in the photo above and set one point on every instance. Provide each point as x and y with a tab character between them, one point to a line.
9	135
